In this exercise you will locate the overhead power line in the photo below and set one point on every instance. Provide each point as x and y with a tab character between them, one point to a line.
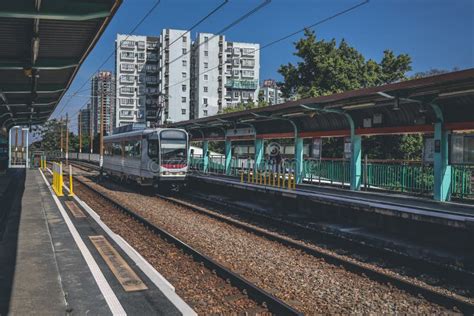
207	16
319	22
147	14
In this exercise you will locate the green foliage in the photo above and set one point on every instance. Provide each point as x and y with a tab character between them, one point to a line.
327	68
249	104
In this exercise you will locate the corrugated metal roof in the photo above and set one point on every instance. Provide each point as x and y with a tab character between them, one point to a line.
415	97
67	32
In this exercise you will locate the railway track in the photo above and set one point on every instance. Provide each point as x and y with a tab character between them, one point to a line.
265	302
435	295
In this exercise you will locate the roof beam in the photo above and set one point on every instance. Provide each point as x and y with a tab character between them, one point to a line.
55	10
26	88
43	64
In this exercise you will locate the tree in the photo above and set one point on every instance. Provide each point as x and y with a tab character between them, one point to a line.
327	68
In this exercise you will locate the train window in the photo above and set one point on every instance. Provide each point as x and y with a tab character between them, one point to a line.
132	149
116	149
108	150
153	148
172	134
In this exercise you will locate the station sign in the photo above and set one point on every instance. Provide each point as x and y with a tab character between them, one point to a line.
316	148
347	148
428	149
236	132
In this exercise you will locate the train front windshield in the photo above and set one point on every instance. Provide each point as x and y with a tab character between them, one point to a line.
173	149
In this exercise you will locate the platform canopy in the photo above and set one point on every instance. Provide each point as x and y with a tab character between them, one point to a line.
42	45
411	106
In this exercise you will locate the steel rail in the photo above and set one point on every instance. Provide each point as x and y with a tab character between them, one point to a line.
274	304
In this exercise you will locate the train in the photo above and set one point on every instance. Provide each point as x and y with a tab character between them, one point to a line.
155	157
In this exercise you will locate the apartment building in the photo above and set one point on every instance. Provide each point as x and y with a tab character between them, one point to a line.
271	93
207	73
171	79
102	101
137	68
84	121
224	74
175	74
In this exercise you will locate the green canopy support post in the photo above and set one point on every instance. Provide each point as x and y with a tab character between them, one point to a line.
299	159
205	156
356	162
228	156
442	169
258	153
356	146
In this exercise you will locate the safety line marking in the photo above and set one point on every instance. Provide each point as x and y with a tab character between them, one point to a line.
112	301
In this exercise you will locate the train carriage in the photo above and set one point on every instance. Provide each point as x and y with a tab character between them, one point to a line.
151	156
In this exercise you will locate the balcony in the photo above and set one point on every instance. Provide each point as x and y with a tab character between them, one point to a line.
242	84
127	56
127	44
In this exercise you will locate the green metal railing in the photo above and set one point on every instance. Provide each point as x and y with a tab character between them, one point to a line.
327	171
397	176
402	177
462	180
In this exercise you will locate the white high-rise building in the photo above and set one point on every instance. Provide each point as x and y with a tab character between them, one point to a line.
175	74
137	91
207	75
224	74
171	79
271	93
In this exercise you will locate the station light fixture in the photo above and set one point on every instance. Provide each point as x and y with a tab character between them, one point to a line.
358	106
294	114
247	120
447	94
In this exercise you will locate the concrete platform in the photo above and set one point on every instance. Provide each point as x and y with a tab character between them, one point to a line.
397	205
50	266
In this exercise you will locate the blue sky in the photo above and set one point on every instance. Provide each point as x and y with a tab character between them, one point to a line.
435	33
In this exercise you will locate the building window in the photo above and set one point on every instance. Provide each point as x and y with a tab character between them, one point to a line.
185	62
204	112
206	38
183	111
183	74
206	65
206	77
204	100
236	94
183	88
206	53
185	51
183	99
206	89
185	39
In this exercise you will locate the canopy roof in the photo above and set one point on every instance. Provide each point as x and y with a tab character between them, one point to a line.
411	106
42	45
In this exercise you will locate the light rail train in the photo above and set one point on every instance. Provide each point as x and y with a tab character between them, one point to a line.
151	157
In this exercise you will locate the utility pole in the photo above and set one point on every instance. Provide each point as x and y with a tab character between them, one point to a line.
67	139
91	133
61	133
80	132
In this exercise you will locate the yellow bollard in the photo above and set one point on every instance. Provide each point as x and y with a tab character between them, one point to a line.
71	192
265	178
294	182
289	181
283	180
273	177
248	175
60	178
278	179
